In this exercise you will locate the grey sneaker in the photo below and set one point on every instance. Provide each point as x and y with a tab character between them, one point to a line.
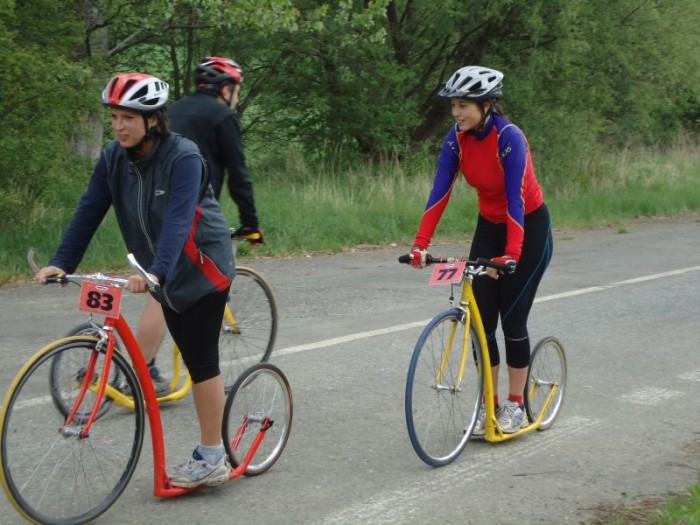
195	472
479	426
511	417
160	384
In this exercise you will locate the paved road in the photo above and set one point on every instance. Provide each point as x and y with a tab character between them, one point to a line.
625	305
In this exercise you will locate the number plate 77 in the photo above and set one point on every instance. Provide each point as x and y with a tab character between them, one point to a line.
100	299
448	273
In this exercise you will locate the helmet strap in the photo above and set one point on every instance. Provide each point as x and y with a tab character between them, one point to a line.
231	91
149	135
485	114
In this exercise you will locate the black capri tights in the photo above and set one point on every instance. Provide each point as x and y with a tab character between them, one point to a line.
196	333
511	296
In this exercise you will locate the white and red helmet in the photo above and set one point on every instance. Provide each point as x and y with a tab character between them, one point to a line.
136	91
215	70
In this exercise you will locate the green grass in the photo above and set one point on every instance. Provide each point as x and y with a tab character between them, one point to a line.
682	509
674	509
335	205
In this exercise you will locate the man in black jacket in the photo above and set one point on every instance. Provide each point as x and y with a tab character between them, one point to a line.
207	117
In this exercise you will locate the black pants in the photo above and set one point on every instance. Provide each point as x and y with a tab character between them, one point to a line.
511	296
196	333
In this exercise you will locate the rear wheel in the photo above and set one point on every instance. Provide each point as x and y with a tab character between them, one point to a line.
52	472
249	327
260	399
547	371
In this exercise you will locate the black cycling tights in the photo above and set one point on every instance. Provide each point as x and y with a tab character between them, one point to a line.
196	333
511	296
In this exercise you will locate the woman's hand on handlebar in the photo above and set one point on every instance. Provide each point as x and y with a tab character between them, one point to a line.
46	272
418	257
503	259
137	284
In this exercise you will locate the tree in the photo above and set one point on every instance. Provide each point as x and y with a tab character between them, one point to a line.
356	76
41	97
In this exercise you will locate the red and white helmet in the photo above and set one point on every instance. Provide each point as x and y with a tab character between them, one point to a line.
136	91
214	70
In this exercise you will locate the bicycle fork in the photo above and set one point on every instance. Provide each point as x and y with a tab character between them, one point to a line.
438	385
68	430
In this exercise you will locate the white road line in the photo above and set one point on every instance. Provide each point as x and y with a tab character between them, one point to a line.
651	396
418	324
693	375
391	507
348	338
33	402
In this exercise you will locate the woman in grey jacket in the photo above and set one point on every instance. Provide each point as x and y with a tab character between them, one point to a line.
157	184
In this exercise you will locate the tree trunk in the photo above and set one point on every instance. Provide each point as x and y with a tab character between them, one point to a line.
86	142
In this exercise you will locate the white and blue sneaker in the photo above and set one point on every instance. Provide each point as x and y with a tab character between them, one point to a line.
195	472
511	417
479	426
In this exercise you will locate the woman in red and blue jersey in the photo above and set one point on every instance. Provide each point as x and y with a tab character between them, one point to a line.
493	155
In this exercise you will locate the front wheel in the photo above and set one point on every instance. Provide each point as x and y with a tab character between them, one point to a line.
260	400
444	388
53	472
66	375
249	327
547	372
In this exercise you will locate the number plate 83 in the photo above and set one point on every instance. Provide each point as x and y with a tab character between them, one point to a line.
100	299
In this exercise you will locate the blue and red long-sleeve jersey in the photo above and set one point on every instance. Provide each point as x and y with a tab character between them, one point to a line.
497	163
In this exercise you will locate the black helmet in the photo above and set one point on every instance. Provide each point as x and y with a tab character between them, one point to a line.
215	70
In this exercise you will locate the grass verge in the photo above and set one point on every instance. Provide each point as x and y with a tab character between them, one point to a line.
329	207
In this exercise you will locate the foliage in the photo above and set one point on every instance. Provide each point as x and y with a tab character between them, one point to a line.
41	95
327	206
168	38
349	80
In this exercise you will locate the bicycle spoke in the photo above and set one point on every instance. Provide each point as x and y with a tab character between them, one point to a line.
249	327
443	390
50	471
260	394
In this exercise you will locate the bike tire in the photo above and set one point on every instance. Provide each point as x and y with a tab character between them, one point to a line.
441	409
63	392
248	336
547	368
50	473
261	391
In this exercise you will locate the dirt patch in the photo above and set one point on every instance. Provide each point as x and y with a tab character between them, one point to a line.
640	511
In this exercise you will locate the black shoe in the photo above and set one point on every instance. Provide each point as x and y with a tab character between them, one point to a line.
160	384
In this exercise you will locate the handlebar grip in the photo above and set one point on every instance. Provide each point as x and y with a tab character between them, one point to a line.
437	260
429	259
153	286
30	259
59	279
508	267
